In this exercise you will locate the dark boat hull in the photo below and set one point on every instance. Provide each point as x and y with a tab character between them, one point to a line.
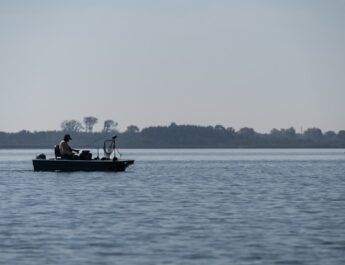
80	165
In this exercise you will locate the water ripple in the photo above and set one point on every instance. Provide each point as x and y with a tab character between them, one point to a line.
177	207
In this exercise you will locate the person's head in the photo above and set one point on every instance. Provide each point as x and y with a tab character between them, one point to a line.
67	137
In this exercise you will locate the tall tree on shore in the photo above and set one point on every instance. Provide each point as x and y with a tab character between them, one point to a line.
109	126
132	129
89	123
314	134
71	126
341	135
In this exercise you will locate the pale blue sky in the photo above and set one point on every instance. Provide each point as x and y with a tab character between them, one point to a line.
261	64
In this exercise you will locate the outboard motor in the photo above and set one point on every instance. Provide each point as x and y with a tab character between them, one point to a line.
41	156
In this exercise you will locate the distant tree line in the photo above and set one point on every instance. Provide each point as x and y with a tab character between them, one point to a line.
173	136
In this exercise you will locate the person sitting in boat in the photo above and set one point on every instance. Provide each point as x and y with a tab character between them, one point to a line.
65	150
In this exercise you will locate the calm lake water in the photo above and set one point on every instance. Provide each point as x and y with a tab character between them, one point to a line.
177	207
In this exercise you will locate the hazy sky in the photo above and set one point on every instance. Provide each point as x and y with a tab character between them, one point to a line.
261	64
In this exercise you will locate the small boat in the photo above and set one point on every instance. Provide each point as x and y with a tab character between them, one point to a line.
84	162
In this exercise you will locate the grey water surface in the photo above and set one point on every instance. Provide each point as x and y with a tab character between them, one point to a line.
177	206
